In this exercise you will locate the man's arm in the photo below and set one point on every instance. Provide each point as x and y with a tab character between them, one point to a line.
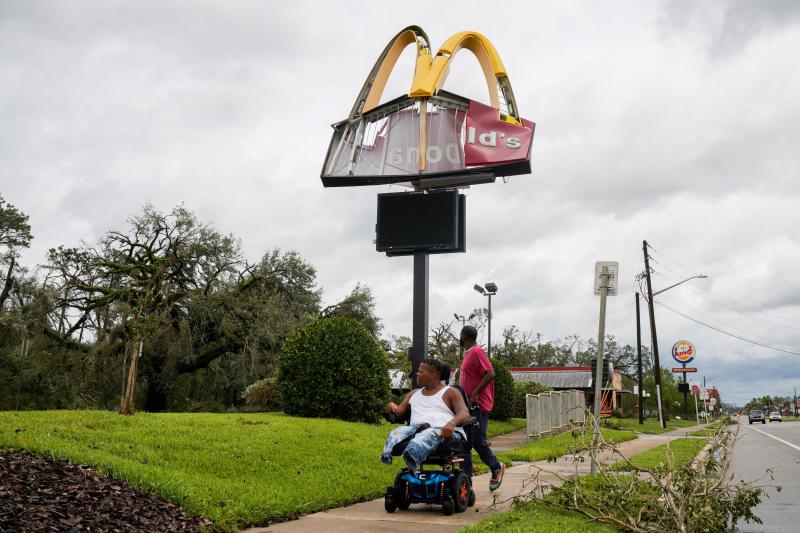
456	404
400	410
487	378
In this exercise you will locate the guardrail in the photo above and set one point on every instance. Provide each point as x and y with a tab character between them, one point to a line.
553	412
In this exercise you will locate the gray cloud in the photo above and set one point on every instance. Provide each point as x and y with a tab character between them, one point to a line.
674	123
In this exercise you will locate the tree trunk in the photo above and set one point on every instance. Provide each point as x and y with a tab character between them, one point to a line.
7	285
126	405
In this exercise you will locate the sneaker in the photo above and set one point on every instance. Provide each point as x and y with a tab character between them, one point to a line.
386	459
497	477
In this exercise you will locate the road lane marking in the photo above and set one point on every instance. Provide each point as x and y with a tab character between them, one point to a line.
777	439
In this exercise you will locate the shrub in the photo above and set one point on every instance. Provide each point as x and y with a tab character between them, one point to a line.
333	368
263	395
521	388
503	392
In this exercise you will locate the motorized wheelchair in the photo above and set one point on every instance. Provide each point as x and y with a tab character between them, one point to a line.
448	485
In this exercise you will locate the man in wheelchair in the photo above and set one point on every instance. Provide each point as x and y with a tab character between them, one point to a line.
436	415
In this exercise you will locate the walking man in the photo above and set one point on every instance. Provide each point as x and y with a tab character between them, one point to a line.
476	377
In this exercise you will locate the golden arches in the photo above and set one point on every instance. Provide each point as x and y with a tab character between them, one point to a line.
430	72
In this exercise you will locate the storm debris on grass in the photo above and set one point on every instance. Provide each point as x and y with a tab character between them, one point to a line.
37	494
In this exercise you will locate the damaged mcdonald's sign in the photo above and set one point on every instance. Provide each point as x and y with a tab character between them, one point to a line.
430	137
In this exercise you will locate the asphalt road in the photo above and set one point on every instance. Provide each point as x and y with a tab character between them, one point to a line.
759	449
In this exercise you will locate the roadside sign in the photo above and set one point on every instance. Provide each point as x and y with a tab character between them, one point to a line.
704	394
613	270
695	388
683	352
684	369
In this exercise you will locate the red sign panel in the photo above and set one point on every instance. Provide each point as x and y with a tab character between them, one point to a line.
491	141
682	370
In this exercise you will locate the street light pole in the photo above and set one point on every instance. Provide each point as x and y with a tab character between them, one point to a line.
489	351
489	290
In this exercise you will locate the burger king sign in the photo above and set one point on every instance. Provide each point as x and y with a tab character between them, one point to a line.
683	352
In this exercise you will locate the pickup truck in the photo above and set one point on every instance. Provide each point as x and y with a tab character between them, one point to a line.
756	415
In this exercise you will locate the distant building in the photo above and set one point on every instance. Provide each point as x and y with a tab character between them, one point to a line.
573	377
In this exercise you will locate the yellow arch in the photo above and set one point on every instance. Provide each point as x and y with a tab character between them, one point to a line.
370	95
428	84
430	73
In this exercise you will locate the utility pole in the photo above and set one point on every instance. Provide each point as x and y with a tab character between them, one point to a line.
794	407
598	374
639	361
654	337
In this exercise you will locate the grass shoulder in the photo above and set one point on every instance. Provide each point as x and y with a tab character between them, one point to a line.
501	427
561	444
538	517
677	452
650	425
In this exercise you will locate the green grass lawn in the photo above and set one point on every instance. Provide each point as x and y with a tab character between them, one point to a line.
500	427
702	433
650	425
538	517
236	469
681	451
558	445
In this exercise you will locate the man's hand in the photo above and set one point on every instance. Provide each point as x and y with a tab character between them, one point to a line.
473	400
391	408
447	431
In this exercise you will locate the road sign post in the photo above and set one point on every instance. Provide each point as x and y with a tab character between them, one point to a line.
605	283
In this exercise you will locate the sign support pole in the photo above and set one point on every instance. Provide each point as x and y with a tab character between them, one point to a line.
419	343
639	361
696	415
598	374
685	396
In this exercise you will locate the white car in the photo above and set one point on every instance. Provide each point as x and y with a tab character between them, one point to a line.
775	416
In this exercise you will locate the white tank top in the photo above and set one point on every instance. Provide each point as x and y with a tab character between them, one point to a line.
431	410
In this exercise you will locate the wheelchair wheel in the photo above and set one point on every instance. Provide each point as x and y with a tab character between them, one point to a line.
460	489
471	497
388	503
448	506
400	494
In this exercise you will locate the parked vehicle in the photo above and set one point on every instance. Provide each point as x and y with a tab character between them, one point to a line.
775	416
756	415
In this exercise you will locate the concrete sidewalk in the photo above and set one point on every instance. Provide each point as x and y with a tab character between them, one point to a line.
519	479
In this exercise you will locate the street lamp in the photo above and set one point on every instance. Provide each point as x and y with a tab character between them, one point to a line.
699	276
489	290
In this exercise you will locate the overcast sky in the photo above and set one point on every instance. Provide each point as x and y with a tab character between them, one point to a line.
675	122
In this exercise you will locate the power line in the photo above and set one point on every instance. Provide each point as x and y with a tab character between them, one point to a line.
704	316
749	312
764	345
786	316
